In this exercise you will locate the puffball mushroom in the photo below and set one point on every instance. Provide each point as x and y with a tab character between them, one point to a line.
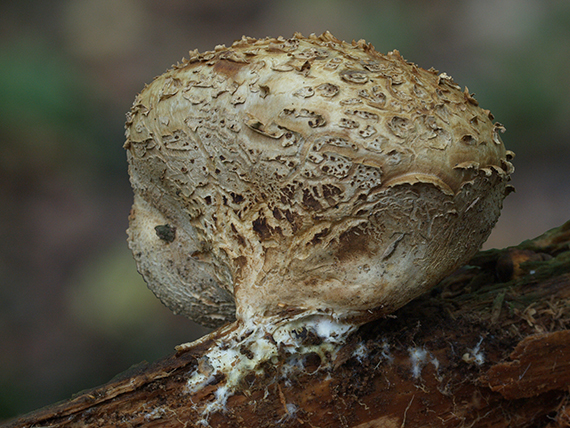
291	178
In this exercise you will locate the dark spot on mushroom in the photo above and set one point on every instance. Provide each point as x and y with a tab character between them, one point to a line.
310	202
306	66
288	192
368	132
468	139
240	239
237	198
327	90
352	242
317	121
348	123
293	219
330	192
227	68
241	263
277	214
363	114
261	227
317	238
165	232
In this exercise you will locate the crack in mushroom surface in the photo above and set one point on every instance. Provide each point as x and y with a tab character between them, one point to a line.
283	178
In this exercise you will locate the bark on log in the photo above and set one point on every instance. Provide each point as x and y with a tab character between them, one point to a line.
488	347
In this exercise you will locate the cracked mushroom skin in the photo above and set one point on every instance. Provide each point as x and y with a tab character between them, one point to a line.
279	177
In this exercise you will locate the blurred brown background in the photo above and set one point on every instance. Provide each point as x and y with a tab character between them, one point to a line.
73	310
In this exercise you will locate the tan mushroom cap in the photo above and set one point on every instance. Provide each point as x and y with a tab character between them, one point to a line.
307	174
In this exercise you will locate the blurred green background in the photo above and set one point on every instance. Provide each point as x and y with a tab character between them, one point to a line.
73	310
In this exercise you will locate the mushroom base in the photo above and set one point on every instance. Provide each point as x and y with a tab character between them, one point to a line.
251	350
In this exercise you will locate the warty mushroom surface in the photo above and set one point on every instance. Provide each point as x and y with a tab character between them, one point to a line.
285	178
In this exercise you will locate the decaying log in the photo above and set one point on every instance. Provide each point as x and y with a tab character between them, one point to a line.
488	347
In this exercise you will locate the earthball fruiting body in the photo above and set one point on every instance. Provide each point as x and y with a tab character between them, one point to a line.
307	175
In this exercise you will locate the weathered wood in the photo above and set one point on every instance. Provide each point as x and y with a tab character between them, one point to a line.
522	377
488	347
